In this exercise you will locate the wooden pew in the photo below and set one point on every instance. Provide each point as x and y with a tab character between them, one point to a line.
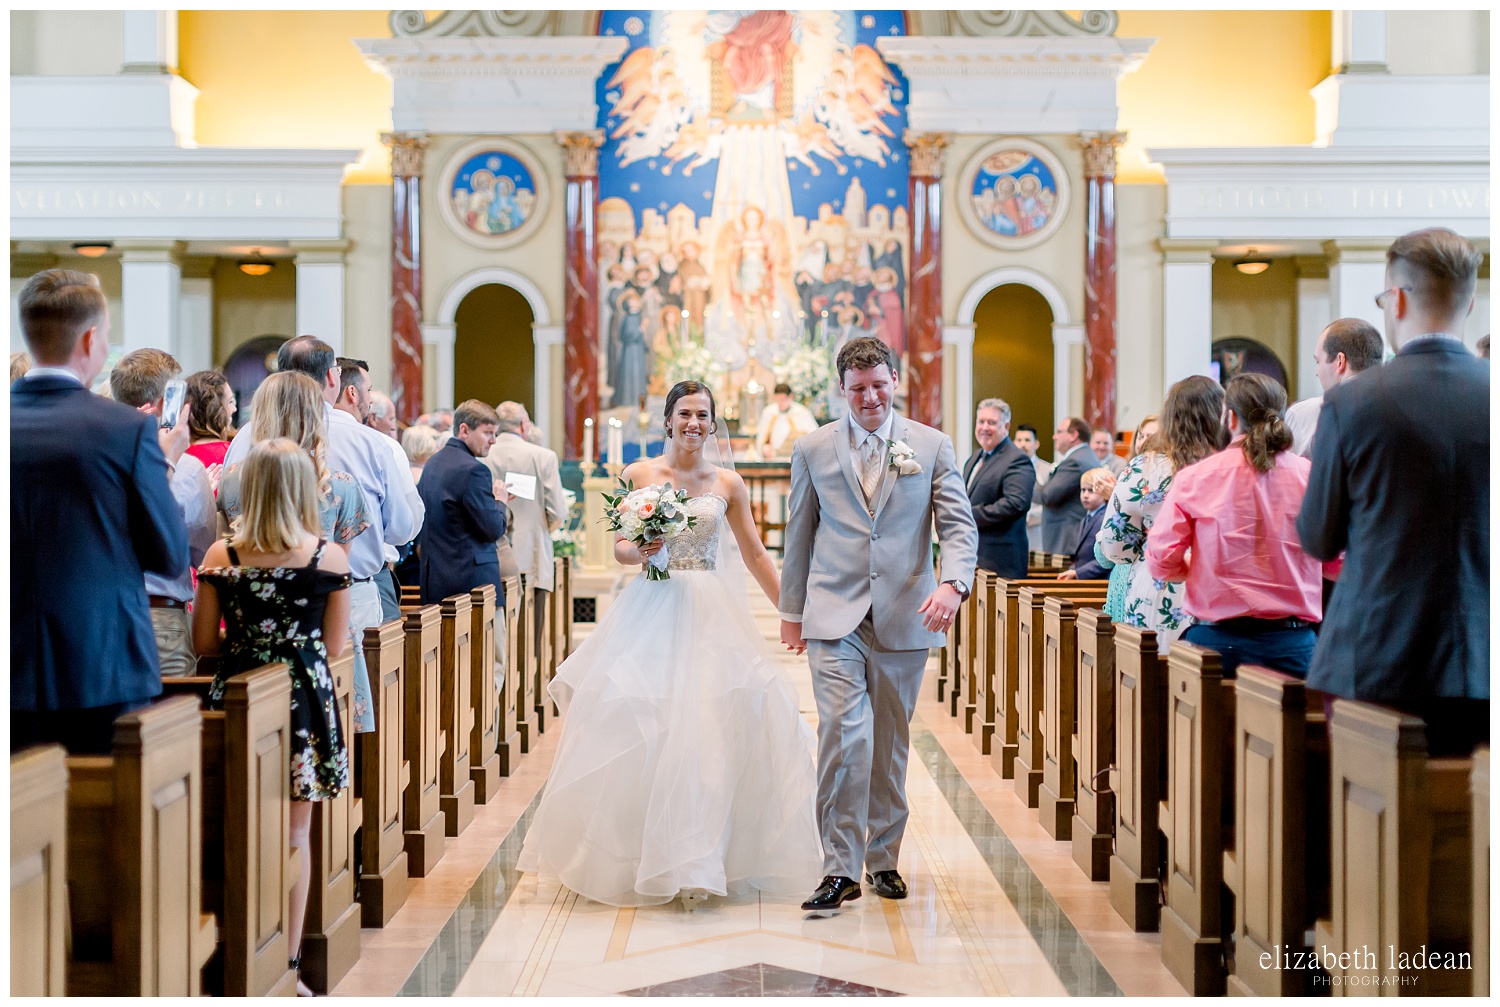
1480	787
1030	639
484	738
1094	744
1059	713
411	596
422	814
521	662
1140	777
983	729
508	730
1277	870
331	931
383	774
965	697
541	649
1401	856
456	692
948	661
134	859
1198	807
38	861
246	879
1004	631
563	587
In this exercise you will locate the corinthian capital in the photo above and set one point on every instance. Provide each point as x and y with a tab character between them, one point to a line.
407	153
926	151
580	152
1099	152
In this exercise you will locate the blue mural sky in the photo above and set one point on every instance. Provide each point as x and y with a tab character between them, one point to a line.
644	184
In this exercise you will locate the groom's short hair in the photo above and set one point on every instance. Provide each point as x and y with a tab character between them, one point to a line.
864	353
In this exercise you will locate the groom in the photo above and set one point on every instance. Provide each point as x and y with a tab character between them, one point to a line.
858	594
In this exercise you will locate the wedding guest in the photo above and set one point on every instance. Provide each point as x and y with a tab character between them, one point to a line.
283	595
1061	509
1094	490
1481	349
465	511
91	512
1346	348
20	363
1102	444
999	478
781	423
1029	441
1401	484
1227	531
419	441
139	381
1192	428
382	416
211	409
1142	437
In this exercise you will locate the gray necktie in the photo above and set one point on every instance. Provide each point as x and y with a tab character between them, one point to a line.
974	472
871	456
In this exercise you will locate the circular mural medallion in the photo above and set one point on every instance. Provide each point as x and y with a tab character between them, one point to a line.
1014	193
492	193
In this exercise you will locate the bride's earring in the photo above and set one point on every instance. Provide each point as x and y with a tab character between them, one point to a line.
713	427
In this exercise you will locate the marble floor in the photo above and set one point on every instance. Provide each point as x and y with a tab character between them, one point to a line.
996	908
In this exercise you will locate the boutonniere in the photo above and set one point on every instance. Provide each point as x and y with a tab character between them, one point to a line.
902	458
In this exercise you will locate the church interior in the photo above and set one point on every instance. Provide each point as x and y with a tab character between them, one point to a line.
576	209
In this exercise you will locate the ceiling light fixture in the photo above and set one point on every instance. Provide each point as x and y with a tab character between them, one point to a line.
1250	264
92	249
256	265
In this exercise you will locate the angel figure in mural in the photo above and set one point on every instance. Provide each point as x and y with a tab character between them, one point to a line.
752	260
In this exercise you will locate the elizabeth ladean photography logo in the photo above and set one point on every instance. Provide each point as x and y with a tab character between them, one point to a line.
1362	967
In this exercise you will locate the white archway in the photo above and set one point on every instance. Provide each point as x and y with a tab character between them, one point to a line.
544	335
1065	335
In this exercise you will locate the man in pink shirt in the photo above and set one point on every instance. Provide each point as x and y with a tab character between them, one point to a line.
1228	528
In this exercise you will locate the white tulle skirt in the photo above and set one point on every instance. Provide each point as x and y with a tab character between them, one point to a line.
683	763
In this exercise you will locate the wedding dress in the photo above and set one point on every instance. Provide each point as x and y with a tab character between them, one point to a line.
684	763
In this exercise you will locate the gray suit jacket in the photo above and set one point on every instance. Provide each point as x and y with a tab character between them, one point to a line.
531	521
1062	510
841	561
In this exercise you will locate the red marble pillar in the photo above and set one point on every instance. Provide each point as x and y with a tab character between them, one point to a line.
580	296
406	272
1099	383
924	291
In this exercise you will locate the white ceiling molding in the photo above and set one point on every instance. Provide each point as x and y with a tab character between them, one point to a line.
1406	110
449	84
1014	85
120	110
1294	193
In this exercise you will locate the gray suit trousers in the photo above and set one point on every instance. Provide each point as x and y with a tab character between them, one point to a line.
866	696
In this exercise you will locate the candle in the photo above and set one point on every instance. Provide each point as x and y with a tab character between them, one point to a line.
616	442
588	442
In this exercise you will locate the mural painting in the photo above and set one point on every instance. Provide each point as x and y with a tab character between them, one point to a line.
492	193
753	188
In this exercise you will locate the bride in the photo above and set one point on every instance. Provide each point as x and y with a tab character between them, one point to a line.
684	769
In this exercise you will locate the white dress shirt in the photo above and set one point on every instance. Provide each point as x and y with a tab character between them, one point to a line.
195	496
777	427
1302	417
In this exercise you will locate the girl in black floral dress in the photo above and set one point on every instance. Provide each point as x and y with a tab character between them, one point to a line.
283	595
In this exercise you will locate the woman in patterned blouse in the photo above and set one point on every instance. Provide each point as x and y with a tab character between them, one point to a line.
1192	428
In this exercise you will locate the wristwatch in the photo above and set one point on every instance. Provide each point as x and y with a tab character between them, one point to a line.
961	588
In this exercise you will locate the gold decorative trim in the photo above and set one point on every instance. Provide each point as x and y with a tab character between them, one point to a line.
580	152
408	153
1100	152
926	151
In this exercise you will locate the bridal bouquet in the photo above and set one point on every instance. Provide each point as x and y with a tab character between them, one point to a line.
647	514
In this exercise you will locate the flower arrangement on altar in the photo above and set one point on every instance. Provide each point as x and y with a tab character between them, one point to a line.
567	543
808	371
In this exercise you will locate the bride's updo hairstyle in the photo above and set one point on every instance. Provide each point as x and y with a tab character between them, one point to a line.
690	388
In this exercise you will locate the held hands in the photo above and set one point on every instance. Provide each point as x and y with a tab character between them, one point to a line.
937	611
215	476
791	636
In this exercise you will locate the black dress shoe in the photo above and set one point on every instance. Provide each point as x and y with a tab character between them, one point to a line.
887	884
831	894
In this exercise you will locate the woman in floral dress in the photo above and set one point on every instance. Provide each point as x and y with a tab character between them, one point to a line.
283	596
1192	428
290	405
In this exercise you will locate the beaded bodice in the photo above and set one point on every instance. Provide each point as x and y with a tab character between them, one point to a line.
698	547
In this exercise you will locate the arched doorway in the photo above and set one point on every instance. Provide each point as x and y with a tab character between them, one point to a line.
1239	355
1013	355
250	364
494	353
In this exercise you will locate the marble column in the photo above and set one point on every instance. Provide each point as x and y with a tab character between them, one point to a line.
406	272
924	290
1100	393
580	304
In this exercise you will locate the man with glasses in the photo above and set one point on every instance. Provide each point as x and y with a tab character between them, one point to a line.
1347	347
1400	483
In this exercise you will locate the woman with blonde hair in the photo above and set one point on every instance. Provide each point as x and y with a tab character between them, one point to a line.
1190	430
1228	533
290	405
420	442
20	363
283	596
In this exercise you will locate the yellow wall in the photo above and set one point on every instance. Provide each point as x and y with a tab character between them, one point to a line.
1262	307
250	306
493	353
1013	356
1221	79
288	79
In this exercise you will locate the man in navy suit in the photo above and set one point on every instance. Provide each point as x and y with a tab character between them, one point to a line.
465	512
1096	487
1062	513
91	512
999	477
1400	484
